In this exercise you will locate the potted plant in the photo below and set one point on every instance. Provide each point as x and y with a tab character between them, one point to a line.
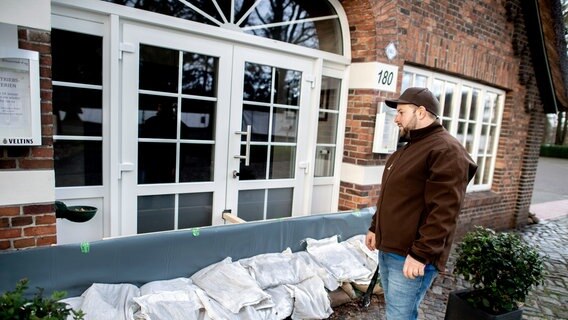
501	268
14	305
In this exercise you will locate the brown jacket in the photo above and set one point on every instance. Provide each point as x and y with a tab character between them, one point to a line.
422	191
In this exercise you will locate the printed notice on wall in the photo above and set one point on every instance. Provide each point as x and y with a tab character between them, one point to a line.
19	100
14	87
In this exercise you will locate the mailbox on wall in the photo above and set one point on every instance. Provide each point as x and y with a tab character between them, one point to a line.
20	110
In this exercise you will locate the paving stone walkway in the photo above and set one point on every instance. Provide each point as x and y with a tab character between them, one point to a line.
548	301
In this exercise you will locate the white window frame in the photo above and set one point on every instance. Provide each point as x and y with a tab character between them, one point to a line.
485	155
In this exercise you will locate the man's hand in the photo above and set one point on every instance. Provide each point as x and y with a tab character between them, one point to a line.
370	241
413	268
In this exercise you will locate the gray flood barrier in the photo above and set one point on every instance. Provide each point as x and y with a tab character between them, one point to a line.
160	256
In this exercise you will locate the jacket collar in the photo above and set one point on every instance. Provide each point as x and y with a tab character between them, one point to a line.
418	134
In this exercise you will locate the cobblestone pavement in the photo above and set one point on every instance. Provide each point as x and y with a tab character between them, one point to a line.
547	301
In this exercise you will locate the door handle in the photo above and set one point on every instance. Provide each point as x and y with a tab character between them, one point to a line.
247	145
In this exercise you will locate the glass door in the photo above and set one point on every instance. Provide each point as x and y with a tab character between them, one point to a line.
270	134
175	129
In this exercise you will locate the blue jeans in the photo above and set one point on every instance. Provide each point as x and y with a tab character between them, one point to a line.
403	296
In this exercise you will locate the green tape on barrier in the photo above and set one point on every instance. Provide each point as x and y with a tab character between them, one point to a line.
85	247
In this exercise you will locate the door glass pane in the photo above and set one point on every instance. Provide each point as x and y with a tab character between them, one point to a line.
156	213
279	203
287	86
76	57
327	128
258	117
199	75
329	95
158	69
251	205
284	125
325	157
78	163
197	119
196	162
195	210
258	162
257	83
282	162
156	162
157	117
77	111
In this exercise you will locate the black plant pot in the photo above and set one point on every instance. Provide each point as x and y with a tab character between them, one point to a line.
459	309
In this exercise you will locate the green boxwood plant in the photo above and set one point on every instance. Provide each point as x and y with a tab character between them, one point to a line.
15	306
500	266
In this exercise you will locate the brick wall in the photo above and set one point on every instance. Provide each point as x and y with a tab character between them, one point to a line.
483	41
30	225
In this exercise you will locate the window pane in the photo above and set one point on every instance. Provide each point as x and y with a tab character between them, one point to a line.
195	210
407	81
158	69
464	105
284	125
78	163
483	141
282	162
448	99
288	87
197	119
470	137
156	213
323	34
474	101
196	162
251	205
279	203
325	157
157	117
77	112
487	170
76	57
199	74
257	82
156	162
327	128
420	81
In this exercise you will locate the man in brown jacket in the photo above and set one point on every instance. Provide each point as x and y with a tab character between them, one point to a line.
422	191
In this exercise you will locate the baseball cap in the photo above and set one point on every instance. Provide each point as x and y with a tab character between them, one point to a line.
418	97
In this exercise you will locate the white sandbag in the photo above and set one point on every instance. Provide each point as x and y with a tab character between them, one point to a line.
110	301
311	300
369	259
276	269
215	311
171	305
157	286
74	303
283	302
330	282
230	285
337	259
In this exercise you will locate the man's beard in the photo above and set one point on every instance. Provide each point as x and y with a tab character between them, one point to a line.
404	132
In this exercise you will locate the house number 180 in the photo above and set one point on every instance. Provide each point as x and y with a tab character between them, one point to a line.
385	77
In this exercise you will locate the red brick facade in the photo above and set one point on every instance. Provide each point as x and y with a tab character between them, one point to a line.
482	41
31	225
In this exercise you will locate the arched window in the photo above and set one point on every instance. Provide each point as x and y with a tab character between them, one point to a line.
308	23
